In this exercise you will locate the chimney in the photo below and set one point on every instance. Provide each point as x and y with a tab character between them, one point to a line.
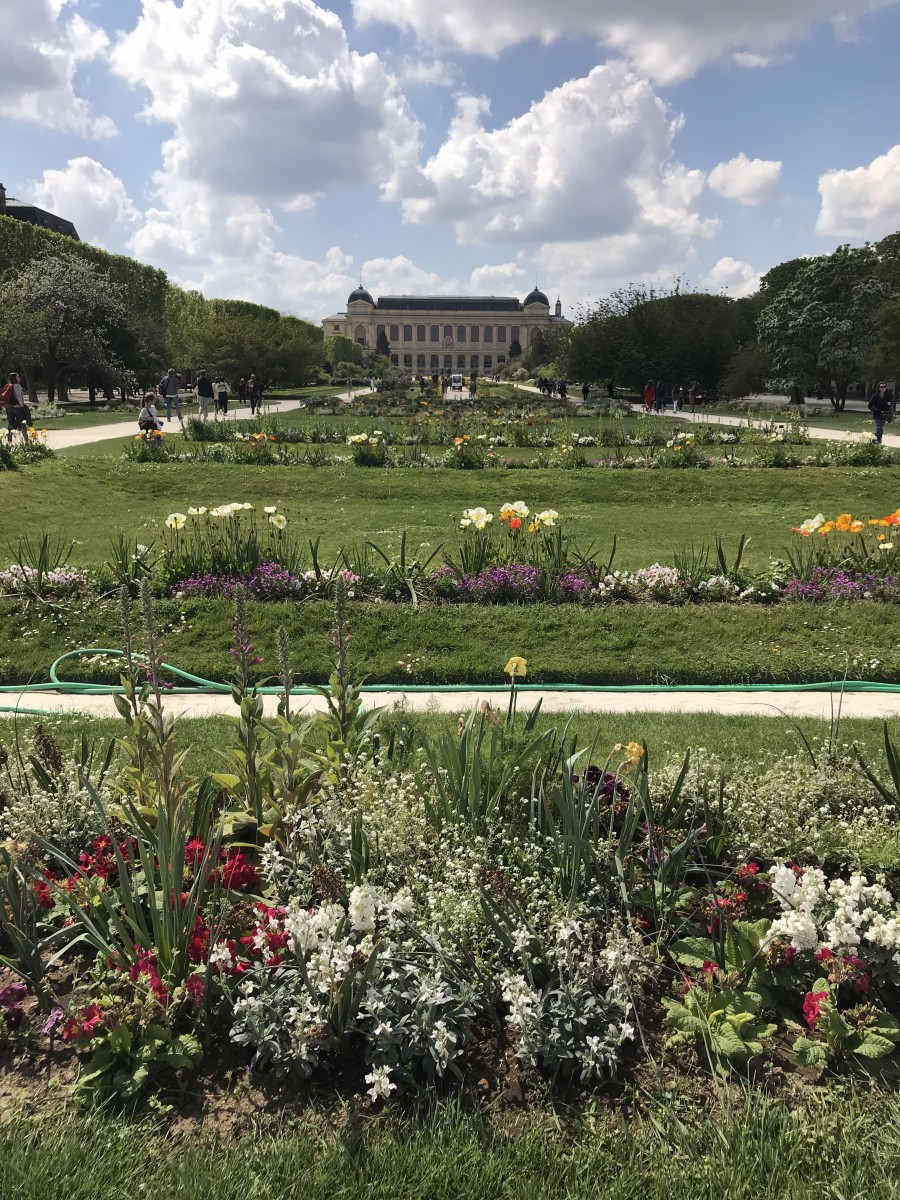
2	198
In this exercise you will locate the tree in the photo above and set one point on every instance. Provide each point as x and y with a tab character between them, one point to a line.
383	346
821	328
74	313
515	350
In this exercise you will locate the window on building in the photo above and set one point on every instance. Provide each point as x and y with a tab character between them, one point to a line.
460	333
501	359
488	362
420	362
474	362
336	328
475	334
514	334
501	334
435	361
448	332
407	361
420	333
435	333
460	362
395	360
395	333
488	333
448	362
407	333
379	329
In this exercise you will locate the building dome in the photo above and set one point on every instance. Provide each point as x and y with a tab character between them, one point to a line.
536	297
360	293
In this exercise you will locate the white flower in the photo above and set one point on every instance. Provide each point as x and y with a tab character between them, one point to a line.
176	521
196	512
362	908
272	508
278	521
380	1079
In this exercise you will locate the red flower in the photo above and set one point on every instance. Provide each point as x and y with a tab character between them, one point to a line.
515	523
790	953
237	873
195	987
824	955
193	852
198	944
812	1007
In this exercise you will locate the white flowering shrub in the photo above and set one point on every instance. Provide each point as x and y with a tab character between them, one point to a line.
68	817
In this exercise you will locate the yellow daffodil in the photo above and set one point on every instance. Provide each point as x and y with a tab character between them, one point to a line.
634	752
176	521
516	668
278	521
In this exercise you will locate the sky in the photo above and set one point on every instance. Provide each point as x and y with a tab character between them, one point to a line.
281	151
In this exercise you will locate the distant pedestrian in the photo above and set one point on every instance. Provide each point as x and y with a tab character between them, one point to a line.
254	394
677	398
242	390
169	388
660	396
562	388
204	395
694	396
585	392
221	391
881	406
12	401
649	396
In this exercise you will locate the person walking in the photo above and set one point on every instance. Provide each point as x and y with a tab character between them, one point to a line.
585	392
677	398
148	419
254	394
204	394
694	395
659	396
169	388
12	401
881	406
242	390
220	387
649	396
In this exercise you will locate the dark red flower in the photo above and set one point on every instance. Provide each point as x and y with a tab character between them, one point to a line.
812	1007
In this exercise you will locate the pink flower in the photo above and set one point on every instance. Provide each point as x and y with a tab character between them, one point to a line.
812	1007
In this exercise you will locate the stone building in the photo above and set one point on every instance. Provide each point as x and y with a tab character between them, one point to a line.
429	334
11	207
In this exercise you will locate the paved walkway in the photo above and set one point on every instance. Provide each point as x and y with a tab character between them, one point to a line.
63	439
815	433
821	705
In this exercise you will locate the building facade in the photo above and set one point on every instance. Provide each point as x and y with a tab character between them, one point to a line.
430	334
11	207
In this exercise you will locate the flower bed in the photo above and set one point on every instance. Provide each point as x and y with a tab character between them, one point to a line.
388	908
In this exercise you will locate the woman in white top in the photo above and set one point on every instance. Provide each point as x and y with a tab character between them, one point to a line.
220	389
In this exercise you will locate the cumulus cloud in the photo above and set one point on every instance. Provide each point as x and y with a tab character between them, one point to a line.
732	276
747	180
593	158
43	47
266	98
863	202
666	40
91	196
500	279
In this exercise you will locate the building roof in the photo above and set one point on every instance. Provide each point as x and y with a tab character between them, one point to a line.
495	304
37	216
536	297
360	293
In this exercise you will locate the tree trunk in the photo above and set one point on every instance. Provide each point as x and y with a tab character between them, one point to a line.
62	387
92	391
51	388
28	374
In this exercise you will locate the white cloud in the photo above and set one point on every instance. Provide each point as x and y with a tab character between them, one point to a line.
266	98
90	196
747	180
667	40
591	159
732	276
500	279
864	202
42	50
429	72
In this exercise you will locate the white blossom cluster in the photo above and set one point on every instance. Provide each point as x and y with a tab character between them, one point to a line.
849	916
68	817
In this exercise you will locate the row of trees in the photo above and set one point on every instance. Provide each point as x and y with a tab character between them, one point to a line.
815	325
70	312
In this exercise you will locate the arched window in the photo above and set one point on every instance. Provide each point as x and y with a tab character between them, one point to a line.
460	333
488	333
514	334
460	362
359	335
407	361
448	362
448	332
407	333
474	333
395	333
420	362
435	333
395	360
420	333
488	362
474	362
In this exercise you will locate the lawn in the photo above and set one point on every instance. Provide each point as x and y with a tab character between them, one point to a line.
95	495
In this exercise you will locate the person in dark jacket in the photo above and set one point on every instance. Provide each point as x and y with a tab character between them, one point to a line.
204	394
881	406
254	394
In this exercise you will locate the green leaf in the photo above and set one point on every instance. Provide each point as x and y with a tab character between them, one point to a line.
231	782
873	1045
693	951
120	1039
809	1053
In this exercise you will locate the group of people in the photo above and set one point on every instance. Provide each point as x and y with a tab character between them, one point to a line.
12	401
169	392
657	396
553	387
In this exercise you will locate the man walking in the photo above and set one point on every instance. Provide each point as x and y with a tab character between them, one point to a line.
204	394
169	389
254	394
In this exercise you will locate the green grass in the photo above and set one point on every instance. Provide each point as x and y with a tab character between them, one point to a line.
94	496
839	1146
715	644
734	740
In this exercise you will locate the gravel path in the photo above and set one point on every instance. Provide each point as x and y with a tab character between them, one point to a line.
725	703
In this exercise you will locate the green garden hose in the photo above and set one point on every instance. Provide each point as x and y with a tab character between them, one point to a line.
199	686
